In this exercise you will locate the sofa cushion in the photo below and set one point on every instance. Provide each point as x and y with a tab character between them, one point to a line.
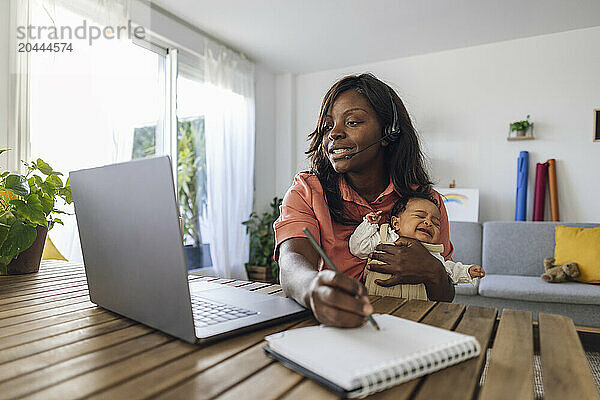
519	248
530	288
582	246
466	239
467	288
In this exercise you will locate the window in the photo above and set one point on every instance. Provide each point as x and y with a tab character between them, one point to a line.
116	100
99	104
191	159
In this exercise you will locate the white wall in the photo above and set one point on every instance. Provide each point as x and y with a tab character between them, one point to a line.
462	101
4	74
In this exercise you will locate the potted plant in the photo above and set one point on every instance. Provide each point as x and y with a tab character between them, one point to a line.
191	187
521	127
261	266
27	212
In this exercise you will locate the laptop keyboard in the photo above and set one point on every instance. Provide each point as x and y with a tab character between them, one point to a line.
208	312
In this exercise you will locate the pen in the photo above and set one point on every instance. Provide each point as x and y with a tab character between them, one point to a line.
331	265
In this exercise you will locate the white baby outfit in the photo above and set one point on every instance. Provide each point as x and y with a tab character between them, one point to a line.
367	235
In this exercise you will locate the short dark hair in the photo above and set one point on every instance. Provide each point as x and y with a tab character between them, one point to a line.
400	205
403	157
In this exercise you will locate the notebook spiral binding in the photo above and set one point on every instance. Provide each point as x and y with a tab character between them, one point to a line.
402	370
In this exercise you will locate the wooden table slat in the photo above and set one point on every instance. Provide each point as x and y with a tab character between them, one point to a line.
48	305
49	321
27	349
478	322
19	319
86	384
267	384
53	330
38	296
55	343
269	289
256	285
57	355
387	305
28	292
443	315
47	269
202	362
566	370
511	359
414	310
45	300
39	285
26	283
11	280
308	389
42	378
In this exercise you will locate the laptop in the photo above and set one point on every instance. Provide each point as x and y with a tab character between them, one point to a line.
135	265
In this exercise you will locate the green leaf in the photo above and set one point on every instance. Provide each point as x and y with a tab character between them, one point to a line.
4	174
20	237
45	168
65	193
55	180
3	150
31	210
7	219
17	184
47	203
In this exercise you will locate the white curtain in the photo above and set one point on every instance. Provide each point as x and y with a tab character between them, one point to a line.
229	127
82	113
19	64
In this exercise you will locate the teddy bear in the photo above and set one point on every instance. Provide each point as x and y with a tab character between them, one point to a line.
559	273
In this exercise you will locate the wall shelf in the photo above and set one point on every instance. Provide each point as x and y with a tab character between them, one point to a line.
520	138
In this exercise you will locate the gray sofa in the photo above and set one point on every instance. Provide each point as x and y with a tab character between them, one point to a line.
512	255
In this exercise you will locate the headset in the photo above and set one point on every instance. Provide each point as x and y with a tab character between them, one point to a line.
391	133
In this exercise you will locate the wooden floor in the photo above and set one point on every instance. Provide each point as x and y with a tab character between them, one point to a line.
56	344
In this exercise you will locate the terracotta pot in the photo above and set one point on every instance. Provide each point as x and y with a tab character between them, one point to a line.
28	261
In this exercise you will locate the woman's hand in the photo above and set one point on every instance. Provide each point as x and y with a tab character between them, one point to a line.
338	300
409	262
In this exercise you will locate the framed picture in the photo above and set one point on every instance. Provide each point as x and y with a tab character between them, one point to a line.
597	125
461	204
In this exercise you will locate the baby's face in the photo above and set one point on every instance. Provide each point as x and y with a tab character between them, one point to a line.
420	220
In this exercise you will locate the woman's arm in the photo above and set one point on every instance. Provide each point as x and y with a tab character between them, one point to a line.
334	298
410	263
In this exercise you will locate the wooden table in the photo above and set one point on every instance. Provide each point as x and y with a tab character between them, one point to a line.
56	344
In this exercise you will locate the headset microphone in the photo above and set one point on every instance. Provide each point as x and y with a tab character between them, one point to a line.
392	131
349	156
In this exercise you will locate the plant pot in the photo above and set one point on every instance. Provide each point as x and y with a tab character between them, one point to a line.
28	262
259	273
521	132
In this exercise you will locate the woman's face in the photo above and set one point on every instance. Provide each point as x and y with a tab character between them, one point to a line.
351	124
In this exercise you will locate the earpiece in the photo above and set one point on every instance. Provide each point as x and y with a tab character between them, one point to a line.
392	132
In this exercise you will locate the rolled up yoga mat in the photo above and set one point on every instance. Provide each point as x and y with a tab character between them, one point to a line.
553	190
522	174
539	195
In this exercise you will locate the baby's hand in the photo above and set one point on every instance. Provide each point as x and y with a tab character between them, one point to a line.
476	271
374	217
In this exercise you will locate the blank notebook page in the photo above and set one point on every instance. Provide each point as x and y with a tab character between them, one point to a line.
343	356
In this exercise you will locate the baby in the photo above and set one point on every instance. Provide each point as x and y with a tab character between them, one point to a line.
417	217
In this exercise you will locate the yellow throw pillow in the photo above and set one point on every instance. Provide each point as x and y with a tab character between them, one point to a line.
51	252
580	245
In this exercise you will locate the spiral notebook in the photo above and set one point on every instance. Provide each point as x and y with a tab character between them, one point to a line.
361	361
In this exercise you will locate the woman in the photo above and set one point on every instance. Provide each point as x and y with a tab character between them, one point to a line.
364	155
